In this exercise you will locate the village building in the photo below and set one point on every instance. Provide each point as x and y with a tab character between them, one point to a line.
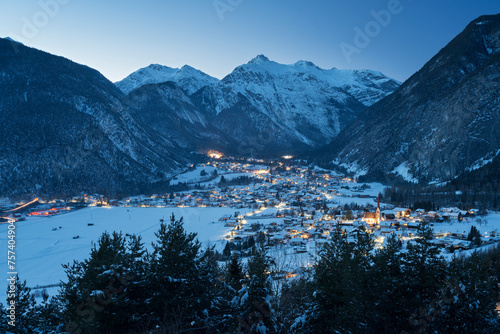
401	212
373	218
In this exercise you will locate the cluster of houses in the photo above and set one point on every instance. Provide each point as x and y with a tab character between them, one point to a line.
308	234
299	205
309	214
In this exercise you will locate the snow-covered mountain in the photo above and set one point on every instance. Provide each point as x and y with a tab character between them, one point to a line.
263	106
187	78
294	107
441	122
304	79
68	129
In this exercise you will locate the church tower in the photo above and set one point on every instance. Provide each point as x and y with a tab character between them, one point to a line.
377	213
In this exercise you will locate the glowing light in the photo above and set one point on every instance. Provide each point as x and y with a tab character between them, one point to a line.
24	205
215	154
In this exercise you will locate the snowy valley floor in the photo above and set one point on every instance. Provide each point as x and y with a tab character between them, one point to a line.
44	244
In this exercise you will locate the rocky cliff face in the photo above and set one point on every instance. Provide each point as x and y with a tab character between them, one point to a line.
168	112
440	122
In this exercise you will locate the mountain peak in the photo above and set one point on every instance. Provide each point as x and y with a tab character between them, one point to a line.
486	19
157	67
305	63
12	40
188	68
188	78
259	59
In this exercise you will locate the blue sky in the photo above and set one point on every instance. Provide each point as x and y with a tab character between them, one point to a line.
215	36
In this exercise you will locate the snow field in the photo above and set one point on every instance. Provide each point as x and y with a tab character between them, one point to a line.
41	251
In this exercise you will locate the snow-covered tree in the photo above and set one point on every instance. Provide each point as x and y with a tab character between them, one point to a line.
101	293
256	313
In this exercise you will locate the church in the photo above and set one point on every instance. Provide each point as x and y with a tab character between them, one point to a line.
373	218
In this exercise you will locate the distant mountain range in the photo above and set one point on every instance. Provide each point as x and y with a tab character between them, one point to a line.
442	121
264	107
67	129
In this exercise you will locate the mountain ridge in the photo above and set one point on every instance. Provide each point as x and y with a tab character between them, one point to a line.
439	122
66	130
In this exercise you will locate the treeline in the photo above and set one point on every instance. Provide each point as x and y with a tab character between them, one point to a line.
358	290
179	287
478	188
434	197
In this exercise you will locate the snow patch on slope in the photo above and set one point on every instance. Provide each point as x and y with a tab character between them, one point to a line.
404	171
483	161
352	167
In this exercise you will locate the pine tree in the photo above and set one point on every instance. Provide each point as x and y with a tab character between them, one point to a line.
332	304
26	320
387	278
234	273
474	235
214	310
227	250
251	242
31	317
49	314
467	298
361	282
4	319
294	300
255	303
95	295
423	271
174	276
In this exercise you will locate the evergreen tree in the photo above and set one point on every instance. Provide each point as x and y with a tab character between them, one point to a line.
387	277
423	272
295	299
97	296
251	242
361	282
474	235
26	319
4	319
234	273
214	309
174	277
227	250
49	314
467	299
332	305
255	303
28	316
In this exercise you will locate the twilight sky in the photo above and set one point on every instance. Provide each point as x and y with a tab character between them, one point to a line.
119	37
